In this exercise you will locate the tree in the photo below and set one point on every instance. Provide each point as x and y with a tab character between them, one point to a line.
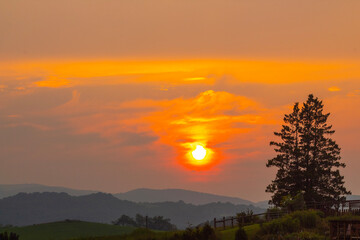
308	160
155	223
161	223
125	220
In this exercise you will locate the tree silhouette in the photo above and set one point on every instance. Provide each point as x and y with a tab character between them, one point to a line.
124	220
156	222
308	160
11	236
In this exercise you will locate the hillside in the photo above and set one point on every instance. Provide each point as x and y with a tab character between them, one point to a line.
174	195
66	230
137	195
7	190
35	208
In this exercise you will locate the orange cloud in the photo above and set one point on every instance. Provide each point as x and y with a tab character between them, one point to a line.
53	82
212	120
204	71
208	120
354	93
334	89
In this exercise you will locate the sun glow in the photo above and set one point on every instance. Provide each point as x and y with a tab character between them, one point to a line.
199	153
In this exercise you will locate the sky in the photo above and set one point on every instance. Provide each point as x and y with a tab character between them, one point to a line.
115	95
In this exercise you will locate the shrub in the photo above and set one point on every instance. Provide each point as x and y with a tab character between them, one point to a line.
240	234
204	233
273	213
282	225
308	219
11	236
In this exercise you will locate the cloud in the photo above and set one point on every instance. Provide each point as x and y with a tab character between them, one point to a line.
136	139
53	82
334	89
214	119
354	93
169	73
205	120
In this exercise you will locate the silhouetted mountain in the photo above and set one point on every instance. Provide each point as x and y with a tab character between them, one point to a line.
137	195
174	195
7	190
35	208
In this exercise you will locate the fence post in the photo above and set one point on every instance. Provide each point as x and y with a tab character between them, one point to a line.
215	223
224	222
232	222
146	222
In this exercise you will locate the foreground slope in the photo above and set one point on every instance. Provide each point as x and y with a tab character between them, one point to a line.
66	230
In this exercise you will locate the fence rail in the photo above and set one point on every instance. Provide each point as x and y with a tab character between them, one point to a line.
350	206
243	220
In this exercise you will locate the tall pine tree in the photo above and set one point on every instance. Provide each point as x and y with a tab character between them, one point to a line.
308	160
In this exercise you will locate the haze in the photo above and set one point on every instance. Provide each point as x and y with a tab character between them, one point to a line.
112	95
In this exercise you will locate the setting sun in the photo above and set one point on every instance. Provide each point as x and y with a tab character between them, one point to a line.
199	153
199	156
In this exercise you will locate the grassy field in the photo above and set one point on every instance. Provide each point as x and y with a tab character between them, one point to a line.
67	230
96	231
229	234
138	234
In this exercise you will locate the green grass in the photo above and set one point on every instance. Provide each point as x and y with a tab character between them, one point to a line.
138	234
229	234
251	230
66	230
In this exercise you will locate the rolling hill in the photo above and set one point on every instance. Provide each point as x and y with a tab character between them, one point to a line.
7	190
137	195
35	208
66	230
174	195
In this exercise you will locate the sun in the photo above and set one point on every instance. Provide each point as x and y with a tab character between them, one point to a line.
199	153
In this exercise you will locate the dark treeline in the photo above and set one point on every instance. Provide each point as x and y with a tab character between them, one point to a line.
155	223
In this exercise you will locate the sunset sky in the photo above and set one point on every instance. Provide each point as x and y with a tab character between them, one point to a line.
114	95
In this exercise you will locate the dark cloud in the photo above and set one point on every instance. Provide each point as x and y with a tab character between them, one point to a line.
136	139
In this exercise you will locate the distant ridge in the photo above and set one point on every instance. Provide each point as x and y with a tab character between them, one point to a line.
7	190
35	208
137	195
174	195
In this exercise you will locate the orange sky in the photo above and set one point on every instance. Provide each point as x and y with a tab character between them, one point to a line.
115	95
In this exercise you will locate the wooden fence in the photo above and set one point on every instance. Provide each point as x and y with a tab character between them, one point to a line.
351	206
232	221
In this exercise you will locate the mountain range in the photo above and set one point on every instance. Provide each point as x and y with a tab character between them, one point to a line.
26	204
137	195
34	208
7	190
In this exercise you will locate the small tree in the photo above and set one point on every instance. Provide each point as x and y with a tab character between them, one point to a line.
307	158
246	217
125	220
